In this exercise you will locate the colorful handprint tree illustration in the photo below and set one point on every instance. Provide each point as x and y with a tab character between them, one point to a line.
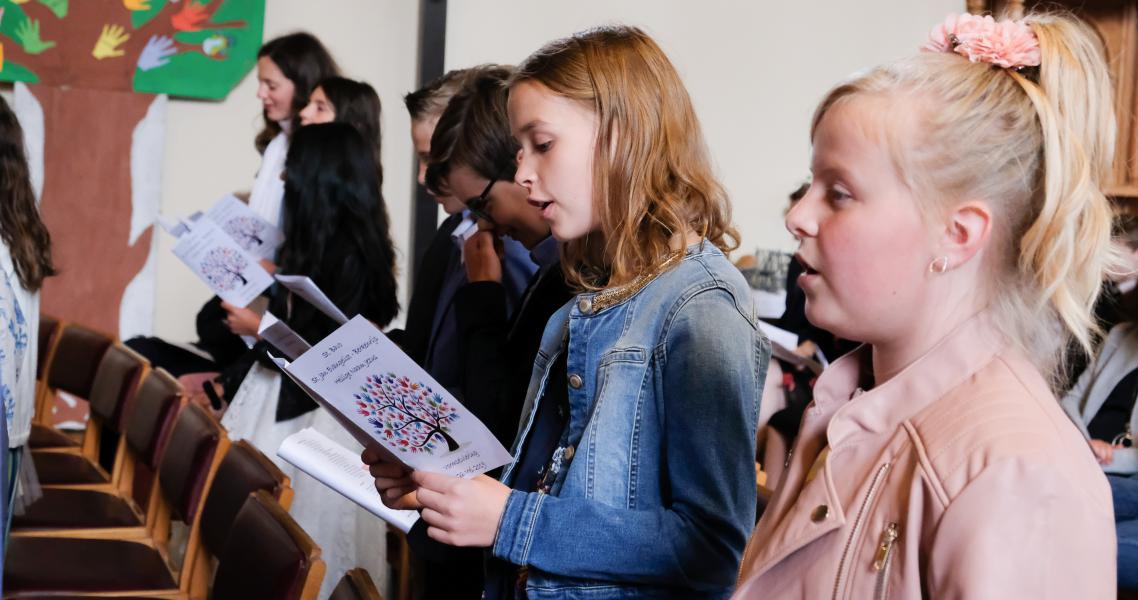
93	67
246	231
224	268
412	416
194	48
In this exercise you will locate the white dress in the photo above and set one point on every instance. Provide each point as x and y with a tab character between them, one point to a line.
348	535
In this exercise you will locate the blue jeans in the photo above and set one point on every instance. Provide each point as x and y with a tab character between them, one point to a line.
1124	490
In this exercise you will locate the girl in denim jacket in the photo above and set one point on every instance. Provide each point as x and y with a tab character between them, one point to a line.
633	472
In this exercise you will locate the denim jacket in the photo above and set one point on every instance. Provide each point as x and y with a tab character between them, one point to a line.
664	390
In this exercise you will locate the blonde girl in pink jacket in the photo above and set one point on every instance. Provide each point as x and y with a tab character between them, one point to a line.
955	224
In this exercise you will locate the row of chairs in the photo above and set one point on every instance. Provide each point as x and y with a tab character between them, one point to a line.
154	501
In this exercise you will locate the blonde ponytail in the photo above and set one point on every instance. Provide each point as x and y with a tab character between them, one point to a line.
1067	248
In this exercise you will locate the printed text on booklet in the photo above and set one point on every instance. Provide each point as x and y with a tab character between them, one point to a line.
376	389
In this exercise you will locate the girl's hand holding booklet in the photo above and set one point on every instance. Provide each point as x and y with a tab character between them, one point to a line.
384	400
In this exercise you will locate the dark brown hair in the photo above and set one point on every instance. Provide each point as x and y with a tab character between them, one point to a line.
357	104
21	228
474	130
304	61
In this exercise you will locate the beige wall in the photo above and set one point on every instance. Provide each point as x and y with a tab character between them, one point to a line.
755	71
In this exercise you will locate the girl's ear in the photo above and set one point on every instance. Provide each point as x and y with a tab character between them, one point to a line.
967	229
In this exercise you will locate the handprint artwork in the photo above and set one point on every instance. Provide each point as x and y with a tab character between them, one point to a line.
165	40
112	37
192	17
156	53
412	416
28	34
224	267
78	54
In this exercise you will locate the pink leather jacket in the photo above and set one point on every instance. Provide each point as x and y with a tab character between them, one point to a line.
960	477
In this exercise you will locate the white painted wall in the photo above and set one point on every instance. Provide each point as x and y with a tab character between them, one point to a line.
755	71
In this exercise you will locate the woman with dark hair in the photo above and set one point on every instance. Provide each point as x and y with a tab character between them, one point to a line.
336	232
25	261
288	68
343	100
336	226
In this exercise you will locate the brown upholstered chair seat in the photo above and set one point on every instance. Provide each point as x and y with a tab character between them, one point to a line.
63	468
43	436
35	566
268	556
77	509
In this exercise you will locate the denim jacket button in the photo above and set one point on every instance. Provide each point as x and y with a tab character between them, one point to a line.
569	452
820	514
585	305
575	381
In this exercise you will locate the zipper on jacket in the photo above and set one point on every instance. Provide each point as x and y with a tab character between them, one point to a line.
883	559
858	522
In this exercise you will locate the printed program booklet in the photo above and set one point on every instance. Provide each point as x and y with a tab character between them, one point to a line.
232	273
386	400
254	234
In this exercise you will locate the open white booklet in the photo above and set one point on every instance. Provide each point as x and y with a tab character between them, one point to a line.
256	235
387	401
232	273
341	469
242	224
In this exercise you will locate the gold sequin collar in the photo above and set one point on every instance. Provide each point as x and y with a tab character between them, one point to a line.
599	301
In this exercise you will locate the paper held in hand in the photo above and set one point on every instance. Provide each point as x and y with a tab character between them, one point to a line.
228	270
387	401
341	469
281	336
307	289
248	230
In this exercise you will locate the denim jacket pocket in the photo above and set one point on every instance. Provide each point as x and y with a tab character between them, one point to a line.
617	414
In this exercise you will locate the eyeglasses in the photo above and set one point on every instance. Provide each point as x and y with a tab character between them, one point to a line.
477	206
